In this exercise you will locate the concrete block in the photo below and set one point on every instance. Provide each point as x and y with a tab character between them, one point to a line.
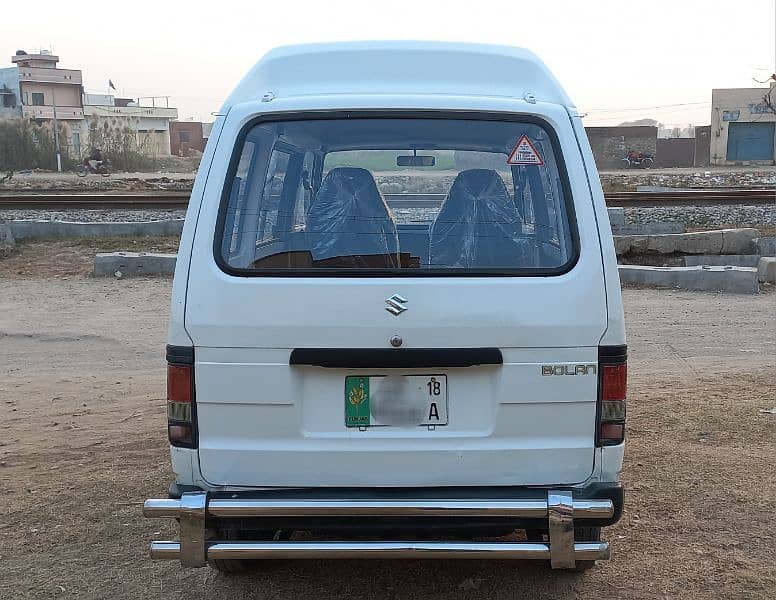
648	228
133	263
766	246
7	242
699	242
616	216
739	280
740	241
722	260
43	230
766	270
720	241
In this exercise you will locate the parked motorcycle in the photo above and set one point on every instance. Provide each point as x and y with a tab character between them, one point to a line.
638	159
95	167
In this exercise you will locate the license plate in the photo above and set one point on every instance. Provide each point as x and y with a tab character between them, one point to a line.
398	400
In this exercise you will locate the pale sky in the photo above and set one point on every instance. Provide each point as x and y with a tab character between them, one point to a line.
618	59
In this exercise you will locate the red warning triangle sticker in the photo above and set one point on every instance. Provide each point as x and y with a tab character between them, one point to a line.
525	153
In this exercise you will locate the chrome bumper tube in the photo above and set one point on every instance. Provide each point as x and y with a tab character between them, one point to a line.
560	509
383	549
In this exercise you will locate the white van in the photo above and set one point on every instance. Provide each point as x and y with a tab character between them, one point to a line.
396	317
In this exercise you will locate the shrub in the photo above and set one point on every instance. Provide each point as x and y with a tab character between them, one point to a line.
25	144
118	142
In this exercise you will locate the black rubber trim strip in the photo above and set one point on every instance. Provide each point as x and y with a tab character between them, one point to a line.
389	358
612	355
180	355
397	113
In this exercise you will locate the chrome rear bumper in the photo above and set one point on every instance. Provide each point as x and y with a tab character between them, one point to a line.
195	510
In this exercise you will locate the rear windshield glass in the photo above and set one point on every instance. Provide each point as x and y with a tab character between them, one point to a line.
407	195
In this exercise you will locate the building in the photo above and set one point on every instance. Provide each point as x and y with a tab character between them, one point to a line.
743	126
35	88
108	119
206	129
611	144
186	138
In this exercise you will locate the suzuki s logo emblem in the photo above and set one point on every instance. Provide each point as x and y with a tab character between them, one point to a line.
395	304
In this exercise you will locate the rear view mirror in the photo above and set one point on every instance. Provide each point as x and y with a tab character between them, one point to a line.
415	161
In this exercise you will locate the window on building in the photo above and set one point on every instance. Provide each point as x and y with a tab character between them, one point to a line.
9	101
38	99
184	136
76	138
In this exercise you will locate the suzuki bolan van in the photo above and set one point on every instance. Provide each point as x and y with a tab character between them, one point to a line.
396	325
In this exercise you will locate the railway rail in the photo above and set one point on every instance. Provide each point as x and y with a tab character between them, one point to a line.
179	200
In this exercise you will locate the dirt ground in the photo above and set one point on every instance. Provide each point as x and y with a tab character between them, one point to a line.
74	257
82	444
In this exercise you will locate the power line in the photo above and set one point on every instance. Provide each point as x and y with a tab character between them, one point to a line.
659	106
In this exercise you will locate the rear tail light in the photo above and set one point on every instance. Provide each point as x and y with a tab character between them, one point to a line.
181	409
612	387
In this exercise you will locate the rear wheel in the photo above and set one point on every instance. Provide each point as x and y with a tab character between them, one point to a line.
233	566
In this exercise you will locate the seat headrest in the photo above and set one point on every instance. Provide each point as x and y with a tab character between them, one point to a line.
349	217
356	182
474	184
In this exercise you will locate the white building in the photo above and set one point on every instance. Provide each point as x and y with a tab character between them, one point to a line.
743	126
150	125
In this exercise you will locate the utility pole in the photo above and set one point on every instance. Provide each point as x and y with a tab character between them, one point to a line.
56	132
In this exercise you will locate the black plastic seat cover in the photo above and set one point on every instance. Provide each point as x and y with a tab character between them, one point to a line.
478	224
349	217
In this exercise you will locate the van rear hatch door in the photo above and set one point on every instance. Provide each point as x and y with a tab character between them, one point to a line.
505	393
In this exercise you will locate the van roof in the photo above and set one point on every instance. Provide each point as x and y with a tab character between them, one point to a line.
399	68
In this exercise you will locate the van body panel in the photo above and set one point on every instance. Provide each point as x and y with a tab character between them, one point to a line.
615	326
498	432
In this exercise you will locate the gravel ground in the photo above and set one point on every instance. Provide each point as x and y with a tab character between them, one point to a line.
700	216
92	216
82	443
706	216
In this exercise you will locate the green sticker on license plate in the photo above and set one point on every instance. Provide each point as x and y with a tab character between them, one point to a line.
357	401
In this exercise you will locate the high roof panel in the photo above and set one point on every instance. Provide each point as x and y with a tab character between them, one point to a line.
403	68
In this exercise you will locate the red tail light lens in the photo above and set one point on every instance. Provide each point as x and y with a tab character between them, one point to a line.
611	434
179	383
612	391
179	435
614	381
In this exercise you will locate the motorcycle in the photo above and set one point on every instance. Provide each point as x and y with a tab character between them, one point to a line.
638	159
95	167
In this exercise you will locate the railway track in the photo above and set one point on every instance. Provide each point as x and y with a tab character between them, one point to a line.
179	200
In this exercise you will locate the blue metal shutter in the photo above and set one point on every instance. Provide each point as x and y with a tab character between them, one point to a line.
750	141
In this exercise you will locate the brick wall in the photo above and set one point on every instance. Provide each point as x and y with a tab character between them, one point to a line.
186	138
611	144
675	152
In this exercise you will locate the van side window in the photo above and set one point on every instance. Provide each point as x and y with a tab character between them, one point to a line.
272	194
235	214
